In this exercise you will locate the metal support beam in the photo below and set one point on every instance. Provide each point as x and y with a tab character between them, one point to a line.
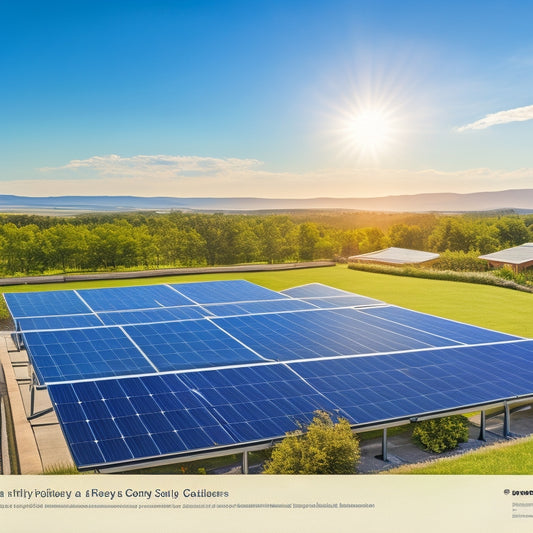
34	386
40	413
506	421
245	462
32	399
482	426
384	453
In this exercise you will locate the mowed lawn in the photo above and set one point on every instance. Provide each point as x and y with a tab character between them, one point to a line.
505	458
496	308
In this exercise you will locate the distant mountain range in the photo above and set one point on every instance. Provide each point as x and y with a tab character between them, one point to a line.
520	200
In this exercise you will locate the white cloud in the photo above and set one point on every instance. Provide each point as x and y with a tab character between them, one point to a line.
195	176
154	165
518	114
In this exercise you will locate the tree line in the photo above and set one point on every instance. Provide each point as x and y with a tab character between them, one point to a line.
36	244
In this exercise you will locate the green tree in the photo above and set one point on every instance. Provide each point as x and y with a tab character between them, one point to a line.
404	236
512	231
349	242
22	248
65	246
278	239
372	239
325	447
454	234
308	238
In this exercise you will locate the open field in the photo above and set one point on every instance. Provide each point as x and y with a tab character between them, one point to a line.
491	307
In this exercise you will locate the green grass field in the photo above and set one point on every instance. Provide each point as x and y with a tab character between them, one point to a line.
505	458
491	307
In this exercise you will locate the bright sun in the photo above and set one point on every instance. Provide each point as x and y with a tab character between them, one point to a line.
369	131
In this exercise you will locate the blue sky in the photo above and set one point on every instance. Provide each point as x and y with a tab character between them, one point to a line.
260	98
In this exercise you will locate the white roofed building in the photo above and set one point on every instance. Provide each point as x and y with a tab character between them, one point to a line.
517	258
395	256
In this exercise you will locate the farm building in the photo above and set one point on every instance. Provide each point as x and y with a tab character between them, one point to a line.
517	258
395	256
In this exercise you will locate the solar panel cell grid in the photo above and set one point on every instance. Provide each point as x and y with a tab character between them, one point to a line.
147	316
80	354
323	333
464	333
251	308
59	322
225	292
46	303
189	344
341	301
313	290
130	298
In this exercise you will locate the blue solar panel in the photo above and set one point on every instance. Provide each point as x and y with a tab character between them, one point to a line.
315	290
147	316
252	308
130	298
322	333
457	331
46	303
189	344
260	402
370	389
169	419
341	301
179	413
239	290
59	322
66	355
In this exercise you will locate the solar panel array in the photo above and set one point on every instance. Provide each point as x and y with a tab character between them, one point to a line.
163	371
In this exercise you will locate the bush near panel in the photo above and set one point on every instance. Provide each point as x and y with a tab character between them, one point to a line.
441	434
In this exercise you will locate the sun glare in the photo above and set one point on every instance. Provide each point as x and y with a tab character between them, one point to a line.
369	131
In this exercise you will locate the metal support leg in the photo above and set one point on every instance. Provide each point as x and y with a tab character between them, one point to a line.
506	421
384	453
482	425
245	462
33	414
32	399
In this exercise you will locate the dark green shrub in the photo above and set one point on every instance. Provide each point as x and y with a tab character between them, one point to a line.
441	434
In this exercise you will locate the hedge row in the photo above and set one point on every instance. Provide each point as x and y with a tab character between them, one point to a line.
483	278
